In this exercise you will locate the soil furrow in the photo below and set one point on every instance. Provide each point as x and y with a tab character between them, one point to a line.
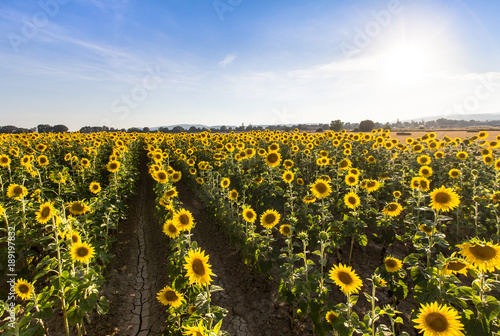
250	298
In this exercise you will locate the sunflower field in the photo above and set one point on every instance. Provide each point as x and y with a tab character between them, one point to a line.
303	209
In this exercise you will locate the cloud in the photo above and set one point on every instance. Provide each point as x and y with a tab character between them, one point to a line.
228	59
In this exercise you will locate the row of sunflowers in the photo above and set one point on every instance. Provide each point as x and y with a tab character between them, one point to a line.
301	205
61	198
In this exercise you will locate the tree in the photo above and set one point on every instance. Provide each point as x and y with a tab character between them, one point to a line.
59	129
366	126
178	129
337	125
44	128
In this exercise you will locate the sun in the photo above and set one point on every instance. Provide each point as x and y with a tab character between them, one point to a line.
406	63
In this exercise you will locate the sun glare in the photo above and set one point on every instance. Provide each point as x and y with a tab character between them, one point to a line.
406	64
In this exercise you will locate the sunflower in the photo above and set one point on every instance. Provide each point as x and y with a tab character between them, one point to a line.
24	289
45	212
444	199
482	135
273	159
288	164
483	255
199	180
462	155
439	155
176	176
392	209
455	265
74	236
424	160
454	173
300	181
427	229
197	267
351	180
288	176
495	198
171	193
161	176
396	194
78	208
488	159
82	252
170	229
371	185
249	215
346	278
309	199
497	164
233	195
351	200
425	171
285	229
183	219
225	182
113	166
16	191
392	265
195	331
321	188
4	160
424	184
331	316
95	187
438	320
168	296
269	218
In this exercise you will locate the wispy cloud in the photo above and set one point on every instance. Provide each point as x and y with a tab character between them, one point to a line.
228	59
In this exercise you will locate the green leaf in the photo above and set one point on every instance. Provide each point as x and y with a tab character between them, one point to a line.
75	315
102	306
491	308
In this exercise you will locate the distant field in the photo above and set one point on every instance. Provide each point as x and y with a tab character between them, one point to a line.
441	134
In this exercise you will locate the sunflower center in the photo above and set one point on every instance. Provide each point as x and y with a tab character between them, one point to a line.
95	187
18	190
24	288
184	219
456	265
162	176
391	263
351	200
172	228
198	267
270	218
483	252
113	166
321	188
74	238
45	212
272	158
249	215
170	193
442	198
352	179
170	296
286	230
437	322
82	251
5	160
392	207
77	206
345	278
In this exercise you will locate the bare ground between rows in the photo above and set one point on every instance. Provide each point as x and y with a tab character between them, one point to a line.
250	298
137	271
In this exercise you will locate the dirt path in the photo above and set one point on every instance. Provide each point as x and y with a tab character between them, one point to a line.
250	298
137	272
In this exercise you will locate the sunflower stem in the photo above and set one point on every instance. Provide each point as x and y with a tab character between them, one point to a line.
61	288
373	308
210	319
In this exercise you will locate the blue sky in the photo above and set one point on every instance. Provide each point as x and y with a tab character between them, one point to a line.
126	63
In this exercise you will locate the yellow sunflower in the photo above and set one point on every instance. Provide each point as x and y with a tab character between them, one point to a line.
351	180
321	188
392	264
249	215
113	166
270	218
371	185
396	194
45	212
176	176
199	330
273	159
197	267
170	193
455	265
168	296
444	199
78	208
331	316
24	289
225	182
425	171
233	195
392	209
462	155
16	191
161	176
483	255
82	252
183	219
497	164
300	181
95	187
346	278
454	173
424	160
438	320
285	229
4	160
170	229
288	176
42	160
309	199
428	230
351	200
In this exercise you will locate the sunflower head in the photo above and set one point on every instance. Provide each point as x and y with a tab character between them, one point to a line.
346	278
24	289
95	187
270	218
444	199
249	215
484	255
285	229
321	188
78	208
392	209
45	212
351	200
288	176
233	195
82	252
17	191
170	229
225	182
392	265
197	267
438	320
169	297
183	219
